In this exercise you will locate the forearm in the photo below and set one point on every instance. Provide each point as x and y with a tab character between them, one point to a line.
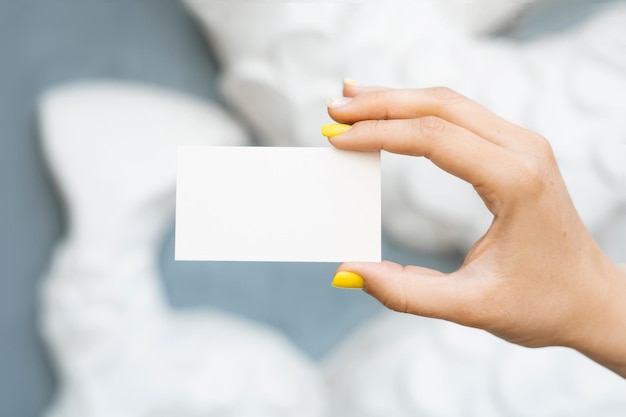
605	341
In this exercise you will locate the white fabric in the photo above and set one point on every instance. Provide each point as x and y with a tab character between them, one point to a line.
118	348
120	351
406	366
280	59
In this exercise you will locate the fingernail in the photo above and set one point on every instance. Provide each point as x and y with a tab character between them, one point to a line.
335	102
349	81
334	129
347	279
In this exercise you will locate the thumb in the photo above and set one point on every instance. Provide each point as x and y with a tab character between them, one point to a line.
408	289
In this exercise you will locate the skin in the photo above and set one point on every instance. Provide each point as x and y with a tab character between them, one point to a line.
537	277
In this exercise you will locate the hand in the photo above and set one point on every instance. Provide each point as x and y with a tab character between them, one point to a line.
536	278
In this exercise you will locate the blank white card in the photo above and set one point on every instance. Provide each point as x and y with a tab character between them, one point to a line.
277	204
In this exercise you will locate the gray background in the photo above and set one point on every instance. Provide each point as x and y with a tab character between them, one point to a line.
44	43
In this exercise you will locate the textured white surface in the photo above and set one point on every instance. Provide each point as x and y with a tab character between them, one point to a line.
281	58
120	351
400	365
118	348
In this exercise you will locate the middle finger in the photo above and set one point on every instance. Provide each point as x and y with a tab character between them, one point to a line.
440	102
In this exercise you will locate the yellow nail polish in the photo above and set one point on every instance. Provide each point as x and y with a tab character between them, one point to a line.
349	81
347	279
334	129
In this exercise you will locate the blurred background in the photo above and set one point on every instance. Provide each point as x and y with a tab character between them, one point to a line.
43	44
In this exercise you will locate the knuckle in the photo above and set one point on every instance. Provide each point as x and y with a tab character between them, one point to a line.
376	133
379	125
446	94
398	304
380	128
529	176
393	292
543	148
532	171
398	299
393	299
431	126
382	97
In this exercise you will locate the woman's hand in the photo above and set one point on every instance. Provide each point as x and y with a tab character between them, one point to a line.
536	278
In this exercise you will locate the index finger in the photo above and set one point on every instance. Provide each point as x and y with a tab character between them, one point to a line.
464	154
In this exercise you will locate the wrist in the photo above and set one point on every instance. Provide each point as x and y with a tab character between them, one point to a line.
602	338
